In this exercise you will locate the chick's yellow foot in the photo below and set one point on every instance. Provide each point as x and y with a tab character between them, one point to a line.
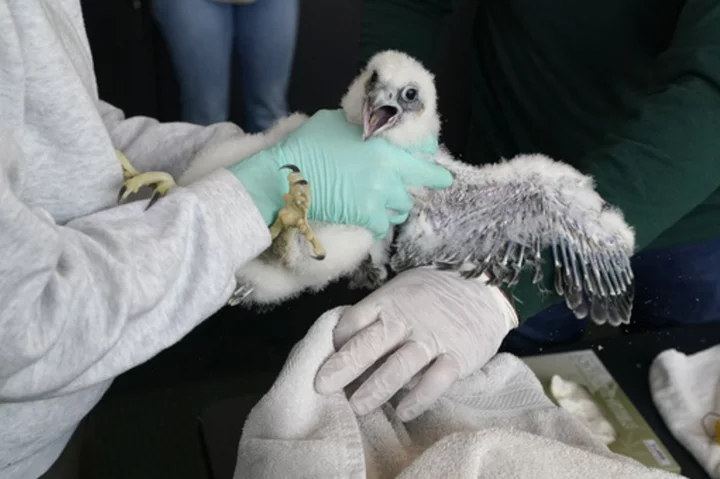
159	181
294	214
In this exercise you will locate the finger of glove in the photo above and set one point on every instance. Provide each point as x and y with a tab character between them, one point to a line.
398	198
357	355
416	172
399	203
355	319
398	219
379	223
435	382
390	377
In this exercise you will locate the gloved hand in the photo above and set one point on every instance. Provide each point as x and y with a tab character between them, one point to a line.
423	315
353	181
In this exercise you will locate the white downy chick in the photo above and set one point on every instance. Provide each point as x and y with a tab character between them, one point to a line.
498	219
494	221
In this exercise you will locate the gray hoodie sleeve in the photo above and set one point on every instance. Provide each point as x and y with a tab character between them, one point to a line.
89	289
151	145
85	301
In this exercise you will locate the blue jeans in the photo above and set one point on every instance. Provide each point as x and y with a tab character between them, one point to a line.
673	286
201	35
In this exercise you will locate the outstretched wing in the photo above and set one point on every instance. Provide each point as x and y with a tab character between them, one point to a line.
499	219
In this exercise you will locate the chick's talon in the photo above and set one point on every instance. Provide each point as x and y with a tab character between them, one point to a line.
159	181
241	292
294	214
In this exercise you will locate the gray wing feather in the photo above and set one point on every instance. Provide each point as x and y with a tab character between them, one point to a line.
499	219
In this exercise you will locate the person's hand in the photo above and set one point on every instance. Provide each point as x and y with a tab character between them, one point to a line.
353	181
422	315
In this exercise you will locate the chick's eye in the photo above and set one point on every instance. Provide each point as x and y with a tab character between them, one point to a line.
410	94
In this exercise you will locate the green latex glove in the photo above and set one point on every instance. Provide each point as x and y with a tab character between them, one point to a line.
353	181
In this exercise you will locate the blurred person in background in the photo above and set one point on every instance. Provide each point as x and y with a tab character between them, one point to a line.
201	36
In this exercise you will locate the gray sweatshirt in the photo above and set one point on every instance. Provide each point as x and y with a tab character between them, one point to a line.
89	289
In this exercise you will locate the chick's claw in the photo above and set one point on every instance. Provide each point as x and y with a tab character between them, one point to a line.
294	214
242	291
159	181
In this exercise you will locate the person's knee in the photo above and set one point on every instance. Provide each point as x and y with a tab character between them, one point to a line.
205	109
261	120
264	106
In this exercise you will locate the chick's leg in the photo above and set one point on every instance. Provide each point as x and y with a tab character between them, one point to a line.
294	215
291	219
159	181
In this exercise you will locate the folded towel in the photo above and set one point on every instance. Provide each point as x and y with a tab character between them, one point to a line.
496	424
685	389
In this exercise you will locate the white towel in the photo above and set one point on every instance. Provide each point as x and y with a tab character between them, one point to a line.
495	424
685	389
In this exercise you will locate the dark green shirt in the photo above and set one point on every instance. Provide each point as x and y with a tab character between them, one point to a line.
627	91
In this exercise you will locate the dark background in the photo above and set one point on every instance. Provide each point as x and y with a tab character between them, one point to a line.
146	425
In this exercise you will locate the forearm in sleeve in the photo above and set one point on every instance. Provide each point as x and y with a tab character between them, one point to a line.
150	145
84	302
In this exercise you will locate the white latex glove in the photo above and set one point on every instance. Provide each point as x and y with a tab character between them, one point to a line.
422	315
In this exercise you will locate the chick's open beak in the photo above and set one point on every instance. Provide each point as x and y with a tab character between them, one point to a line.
380	112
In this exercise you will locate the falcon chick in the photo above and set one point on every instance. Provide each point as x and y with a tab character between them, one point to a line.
495	221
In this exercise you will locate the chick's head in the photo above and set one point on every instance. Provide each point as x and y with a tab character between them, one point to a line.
394	97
